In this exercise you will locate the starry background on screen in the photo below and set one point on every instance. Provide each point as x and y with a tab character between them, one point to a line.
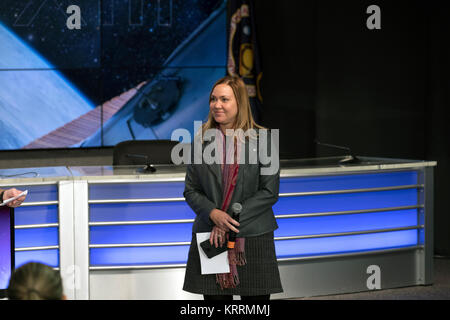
120	44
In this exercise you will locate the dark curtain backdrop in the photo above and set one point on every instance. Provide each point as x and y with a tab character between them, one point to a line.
381	92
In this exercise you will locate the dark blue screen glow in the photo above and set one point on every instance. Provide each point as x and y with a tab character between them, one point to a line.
36	237
140	211
150	233
49	257
345	244
136	190
346	201
346	223
347	182
136	256
36	215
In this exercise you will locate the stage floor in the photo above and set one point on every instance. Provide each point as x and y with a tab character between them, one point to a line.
440	290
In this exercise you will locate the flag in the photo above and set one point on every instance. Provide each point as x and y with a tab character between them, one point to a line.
243	56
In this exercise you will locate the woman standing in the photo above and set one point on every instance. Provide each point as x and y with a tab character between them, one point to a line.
212	189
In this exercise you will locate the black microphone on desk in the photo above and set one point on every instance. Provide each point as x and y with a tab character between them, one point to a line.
148	166
348	159
237	208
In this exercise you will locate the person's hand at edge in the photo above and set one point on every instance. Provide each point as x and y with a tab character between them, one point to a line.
10	193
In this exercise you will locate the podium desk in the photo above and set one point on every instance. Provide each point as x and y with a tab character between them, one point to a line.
116	233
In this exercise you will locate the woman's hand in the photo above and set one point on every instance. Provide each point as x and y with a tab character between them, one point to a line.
222	220
218	237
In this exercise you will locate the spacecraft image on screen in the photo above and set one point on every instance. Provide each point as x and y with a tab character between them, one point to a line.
136	69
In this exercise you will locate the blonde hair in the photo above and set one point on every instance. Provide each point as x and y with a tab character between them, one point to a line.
244	118
35	281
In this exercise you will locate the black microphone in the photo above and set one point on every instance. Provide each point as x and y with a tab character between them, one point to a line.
349	158
237	208
148	166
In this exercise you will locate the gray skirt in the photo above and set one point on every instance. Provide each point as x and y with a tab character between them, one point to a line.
259	276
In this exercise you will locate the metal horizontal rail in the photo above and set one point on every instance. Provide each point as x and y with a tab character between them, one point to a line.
137	267
33	226
34	183
137	200
350	254
315	193
36	248
294	172
137	178
324	235
130	223
280	216
139	245
293	259
332	213
39	203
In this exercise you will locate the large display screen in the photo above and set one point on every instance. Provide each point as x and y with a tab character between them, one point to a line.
6	248
92	73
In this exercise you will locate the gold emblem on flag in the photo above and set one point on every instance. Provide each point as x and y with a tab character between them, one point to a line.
246	60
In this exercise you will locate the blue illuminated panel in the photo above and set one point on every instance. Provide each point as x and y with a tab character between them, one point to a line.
150	233
345	244
36	215
346	201
299	226
136	190
140	211
346	223
49	257
138	256
39	193
36	237
284	249
421	236
344	182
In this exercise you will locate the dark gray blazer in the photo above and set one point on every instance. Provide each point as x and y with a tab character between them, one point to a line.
255	192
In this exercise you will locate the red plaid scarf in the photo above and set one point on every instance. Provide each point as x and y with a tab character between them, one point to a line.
236	256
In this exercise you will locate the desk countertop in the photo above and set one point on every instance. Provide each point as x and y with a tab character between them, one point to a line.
289	168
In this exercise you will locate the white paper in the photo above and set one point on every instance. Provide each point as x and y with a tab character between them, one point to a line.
14	198
217	264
